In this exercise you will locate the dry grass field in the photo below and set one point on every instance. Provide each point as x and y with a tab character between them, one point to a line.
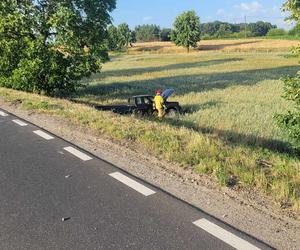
231	90
237	45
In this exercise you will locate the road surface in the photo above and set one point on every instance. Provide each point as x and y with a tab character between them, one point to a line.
55	195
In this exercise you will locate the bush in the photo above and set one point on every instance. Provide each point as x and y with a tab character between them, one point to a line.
165	35
206	37
290	121
295	31
276	32
239	35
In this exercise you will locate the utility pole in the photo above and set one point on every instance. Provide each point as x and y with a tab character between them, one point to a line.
245	27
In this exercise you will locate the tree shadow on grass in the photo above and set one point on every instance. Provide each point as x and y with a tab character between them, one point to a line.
184	84
223	46
233	138
150	48
138	71
200	47
193	108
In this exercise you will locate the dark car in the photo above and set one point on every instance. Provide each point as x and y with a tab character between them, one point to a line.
143	104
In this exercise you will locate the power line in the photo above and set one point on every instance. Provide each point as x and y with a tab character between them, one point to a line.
245	26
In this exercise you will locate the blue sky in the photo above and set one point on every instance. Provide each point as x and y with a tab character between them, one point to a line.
164	12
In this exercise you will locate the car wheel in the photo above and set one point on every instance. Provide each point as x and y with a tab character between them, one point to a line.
171	113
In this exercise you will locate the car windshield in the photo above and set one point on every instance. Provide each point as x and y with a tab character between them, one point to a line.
148	101
131	101
140	100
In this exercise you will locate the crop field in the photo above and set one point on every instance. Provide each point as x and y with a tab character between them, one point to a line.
230	90
237	45
233	94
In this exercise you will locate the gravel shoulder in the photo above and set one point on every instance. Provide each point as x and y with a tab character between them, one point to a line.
247	210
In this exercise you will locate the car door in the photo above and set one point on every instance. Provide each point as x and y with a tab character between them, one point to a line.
142	104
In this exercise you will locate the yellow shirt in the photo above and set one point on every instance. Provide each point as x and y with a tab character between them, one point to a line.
158	101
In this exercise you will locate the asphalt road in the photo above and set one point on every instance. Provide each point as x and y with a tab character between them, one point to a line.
43	179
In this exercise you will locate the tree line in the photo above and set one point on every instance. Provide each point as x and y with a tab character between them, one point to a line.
219	29
210	30
120	37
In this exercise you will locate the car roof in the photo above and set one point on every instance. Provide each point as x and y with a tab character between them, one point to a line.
143	96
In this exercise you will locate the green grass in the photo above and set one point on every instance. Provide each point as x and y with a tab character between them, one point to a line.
230	94
285	37
229	131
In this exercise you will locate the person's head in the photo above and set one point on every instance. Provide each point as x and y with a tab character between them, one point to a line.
158	91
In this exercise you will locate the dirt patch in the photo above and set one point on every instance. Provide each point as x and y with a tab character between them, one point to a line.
247	210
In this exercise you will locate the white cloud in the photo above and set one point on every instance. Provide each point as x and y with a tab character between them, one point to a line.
252	7
276	9
148	18
220	12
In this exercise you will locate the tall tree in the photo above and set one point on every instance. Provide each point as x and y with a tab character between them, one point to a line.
290	121
260	28
125	34
165	34
47	46
224	30
147	33
132	38
113	38
187	30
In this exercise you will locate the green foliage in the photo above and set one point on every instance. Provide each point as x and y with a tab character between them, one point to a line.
295	31
113	38
238	35
43	105
224	30
147	33
125	35
187	30
218	29
47	48
276	32
132	38
290	121
165	35
119	37
260	28
293	7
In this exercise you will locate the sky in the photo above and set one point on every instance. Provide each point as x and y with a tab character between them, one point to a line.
164	12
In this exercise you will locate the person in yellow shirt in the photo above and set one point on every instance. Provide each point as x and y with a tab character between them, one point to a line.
159	104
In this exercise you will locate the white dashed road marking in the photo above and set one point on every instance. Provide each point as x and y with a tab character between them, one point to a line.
3	114
78	154
224	235
43	135
19	122
133	184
